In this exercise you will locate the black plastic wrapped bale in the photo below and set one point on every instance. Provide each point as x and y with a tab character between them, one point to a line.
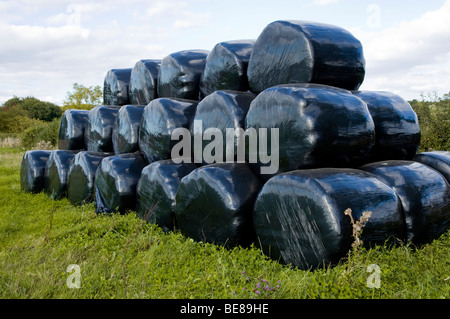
116	87
305	52
56	173
220	110
115	182
143	81
397	131
80	180
125	134
160	118
299	216
424	194
100	128
214	204
226	67
439	160
32	170
156	192
318	126
180	73
71	133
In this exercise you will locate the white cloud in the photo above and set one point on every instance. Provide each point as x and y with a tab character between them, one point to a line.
43	54
410	57
46	48
324	2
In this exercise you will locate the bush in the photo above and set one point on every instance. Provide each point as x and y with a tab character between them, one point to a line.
10	123
19	114
15	120
47	132
40	110
434	121
33	108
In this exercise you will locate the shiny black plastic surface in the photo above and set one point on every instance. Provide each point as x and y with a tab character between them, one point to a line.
305	52
424	194
318	125
80	180
116	87
222	110
299	216
125	134
226	67
115	182
32	170
56	172
214	204
143	81
397	131
179	74
439	160
100	127
156	192
162	116
71	133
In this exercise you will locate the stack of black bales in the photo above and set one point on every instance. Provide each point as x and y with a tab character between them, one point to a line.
265	141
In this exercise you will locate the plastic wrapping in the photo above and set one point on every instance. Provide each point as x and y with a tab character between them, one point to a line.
397	131
424	194
305	52
100	128
125	133
160	118
143	81
32	170
80	179
116	87
226	67
299	216
156	192
439	160
180	73
222	110
214	204
115	182
318	126
71	133
56	172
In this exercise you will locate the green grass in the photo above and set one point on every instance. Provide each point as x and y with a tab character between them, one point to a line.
122	257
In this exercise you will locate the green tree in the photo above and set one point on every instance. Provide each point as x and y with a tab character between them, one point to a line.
82	97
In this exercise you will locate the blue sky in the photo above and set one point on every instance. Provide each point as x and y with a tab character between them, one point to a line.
47	45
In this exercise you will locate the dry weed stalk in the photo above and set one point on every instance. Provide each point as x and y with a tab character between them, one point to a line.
357	226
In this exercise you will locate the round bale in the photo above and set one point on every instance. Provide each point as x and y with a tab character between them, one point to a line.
305	52
299	216
214	204
156	192
80	180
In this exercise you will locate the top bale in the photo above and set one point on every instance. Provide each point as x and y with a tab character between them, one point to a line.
115	87
226	67
179	74
143	81
305	52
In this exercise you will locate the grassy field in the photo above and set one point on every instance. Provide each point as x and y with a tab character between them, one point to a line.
119	256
